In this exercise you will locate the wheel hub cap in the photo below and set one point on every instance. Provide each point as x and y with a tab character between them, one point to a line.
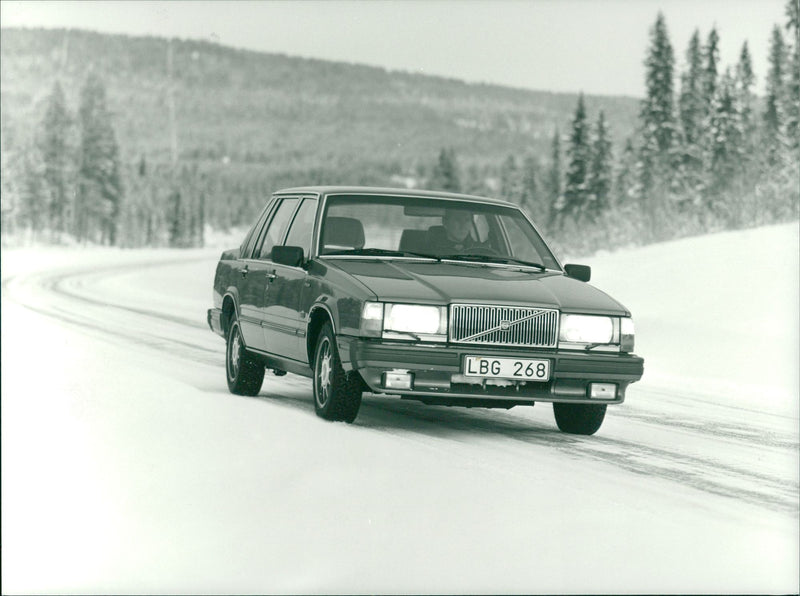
235	349
324	375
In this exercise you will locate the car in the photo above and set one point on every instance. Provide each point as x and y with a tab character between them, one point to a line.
448	299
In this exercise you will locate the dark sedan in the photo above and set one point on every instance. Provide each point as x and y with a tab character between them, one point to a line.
444	298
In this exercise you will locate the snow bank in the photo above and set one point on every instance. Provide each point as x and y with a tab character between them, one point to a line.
716	316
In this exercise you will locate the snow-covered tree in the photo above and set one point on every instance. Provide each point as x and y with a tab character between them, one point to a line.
579	157
725	148
533	200
99	196
600	170
445	172
625	177
691	101
57	159
710	69
657	112
510	180
774	139
553	183
792	95
745	79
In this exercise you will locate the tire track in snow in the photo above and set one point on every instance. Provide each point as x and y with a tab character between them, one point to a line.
66	295
49	294
705	474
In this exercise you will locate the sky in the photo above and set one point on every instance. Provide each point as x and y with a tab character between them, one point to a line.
594	46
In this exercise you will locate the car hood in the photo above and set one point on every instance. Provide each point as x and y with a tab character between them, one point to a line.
444	283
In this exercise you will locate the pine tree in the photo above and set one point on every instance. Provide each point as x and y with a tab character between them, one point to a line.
725	149
657	111
774	140
600	175
745	79
792	95
576	192
510	187
693	113
99	199
657	149
33	198
55	150
625	180
554	188
691	97
793	19
531	199
175	219
10	177
445	173
710	68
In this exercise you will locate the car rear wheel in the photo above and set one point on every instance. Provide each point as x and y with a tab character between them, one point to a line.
337	394
579	419
245	372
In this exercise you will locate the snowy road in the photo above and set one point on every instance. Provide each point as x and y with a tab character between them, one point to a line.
127	466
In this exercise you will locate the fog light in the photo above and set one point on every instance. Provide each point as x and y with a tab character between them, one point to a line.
602	391
398	379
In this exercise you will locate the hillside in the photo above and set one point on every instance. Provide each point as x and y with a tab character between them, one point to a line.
283	114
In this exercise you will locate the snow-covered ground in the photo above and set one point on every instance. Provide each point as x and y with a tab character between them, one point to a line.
127	467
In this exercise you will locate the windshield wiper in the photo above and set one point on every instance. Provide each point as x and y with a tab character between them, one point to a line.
494	259
385	252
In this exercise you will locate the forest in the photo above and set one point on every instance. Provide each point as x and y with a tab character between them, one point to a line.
141	141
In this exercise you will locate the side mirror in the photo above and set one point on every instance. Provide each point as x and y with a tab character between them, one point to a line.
288	255
579	272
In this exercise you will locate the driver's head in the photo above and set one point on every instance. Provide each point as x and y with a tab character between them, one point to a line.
457	224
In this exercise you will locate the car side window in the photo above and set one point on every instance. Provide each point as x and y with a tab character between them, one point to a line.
302	229
276	228
255	232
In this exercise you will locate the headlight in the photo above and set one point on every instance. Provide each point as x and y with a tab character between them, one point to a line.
627	334
587	329
404	321
414	318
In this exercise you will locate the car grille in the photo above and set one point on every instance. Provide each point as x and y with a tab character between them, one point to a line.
504	325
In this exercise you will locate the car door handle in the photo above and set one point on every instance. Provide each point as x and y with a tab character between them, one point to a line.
243	270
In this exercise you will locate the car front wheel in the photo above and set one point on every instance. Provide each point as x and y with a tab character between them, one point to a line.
337	394
579	419
245	372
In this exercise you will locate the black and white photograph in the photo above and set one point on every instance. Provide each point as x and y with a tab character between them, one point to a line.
400	297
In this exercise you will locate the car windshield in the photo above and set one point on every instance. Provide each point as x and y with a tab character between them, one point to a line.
396	226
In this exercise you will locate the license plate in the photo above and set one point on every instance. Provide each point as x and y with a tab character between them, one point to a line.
507	368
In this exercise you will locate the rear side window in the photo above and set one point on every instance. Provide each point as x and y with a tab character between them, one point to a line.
276	228
302	229
255	232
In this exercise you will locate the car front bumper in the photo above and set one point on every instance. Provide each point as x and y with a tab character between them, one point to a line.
437	373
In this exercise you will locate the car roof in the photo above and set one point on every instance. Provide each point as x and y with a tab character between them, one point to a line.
377	190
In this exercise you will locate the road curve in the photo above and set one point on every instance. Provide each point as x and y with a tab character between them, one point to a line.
735	453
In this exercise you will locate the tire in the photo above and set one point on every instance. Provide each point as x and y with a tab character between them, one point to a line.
579	419
337	394
245	373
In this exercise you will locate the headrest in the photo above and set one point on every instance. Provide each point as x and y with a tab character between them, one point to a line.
413	240
343	231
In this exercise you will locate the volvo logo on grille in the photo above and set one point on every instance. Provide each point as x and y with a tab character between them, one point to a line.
505	325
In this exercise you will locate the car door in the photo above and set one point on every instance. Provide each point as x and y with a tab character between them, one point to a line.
256	271
284	322
249	321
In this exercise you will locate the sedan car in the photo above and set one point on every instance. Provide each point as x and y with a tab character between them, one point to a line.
444	298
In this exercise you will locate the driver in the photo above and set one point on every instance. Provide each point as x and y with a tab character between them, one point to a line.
455	234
